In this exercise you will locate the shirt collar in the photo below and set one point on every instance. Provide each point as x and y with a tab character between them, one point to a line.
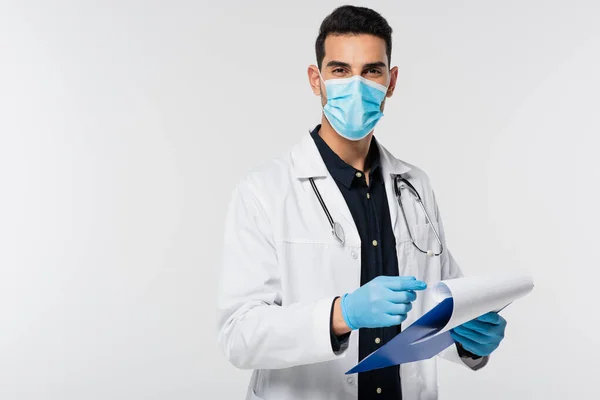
338	168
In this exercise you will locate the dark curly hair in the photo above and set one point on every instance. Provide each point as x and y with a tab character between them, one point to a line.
353	20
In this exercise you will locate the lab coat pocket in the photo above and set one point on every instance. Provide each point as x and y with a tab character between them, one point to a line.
425	237
311	271
428	267
413	262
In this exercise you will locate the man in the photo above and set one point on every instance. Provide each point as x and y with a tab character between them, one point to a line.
300	305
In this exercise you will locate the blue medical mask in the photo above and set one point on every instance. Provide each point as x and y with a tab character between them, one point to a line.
353	105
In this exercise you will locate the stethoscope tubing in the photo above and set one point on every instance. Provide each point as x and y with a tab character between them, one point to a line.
399	183
323	205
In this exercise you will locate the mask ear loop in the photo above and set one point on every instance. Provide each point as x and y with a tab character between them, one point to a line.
321	88
322	80
387	87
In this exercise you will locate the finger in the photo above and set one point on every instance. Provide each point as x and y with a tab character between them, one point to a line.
471	346
393	280
492	318
403	296
414	285
398	309
392	320
477	337
484	327
402	283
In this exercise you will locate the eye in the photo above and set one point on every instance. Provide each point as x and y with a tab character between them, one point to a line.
374	72
339	71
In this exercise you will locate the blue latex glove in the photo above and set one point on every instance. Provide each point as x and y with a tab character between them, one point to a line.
382	302
482	335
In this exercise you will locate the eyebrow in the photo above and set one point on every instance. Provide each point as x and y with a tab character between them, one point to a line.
346	65
374	65
338	64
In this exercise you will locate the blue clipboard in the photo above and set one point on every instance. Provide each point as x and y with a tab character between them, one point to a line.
409	345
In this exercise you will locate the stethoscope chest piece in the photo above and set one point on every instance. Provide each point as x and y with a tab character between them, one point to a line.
338	232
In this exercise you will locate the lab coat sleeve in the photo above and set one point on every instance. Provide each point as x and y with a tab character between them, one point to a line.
451	270
254	330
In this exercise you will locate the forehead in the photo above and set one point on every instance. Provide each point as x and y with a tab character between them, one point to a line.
355	49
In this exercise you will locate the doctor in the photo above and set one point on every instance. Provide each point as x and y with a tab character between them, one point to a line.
300	305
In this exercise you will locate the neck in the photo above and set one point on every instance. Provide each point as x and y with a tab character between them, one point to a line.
353	152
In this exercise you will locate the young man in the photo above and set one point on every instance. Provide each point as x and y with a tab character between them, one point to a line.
319	269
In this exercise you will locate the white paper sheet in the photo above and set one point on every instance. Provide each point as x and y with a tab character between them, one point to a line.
477	295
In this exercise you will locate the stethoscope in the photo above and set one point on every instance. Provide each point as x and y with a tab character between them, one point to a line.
399	184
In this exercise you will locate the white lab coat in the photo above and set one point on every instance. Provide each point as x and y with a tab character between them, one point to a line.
282	268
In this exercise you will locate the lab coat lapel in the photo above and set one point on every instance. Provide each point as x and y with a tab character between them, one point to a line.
308	163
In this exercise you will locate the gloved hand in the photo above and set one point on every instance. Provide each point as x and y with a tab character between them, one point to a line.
482	335
382	302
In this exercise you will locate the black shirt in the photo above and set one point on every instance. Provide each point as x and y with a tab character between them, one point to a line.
369	208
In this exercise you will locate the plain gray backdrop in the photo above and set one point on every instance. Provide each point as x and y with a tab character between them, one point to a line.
124	126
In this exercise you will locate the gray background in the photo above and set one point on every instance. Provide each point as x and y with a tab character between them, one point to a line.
124	126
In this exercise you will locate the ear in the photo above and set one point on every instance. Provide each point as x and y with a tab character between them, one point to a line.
393	80
314	80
